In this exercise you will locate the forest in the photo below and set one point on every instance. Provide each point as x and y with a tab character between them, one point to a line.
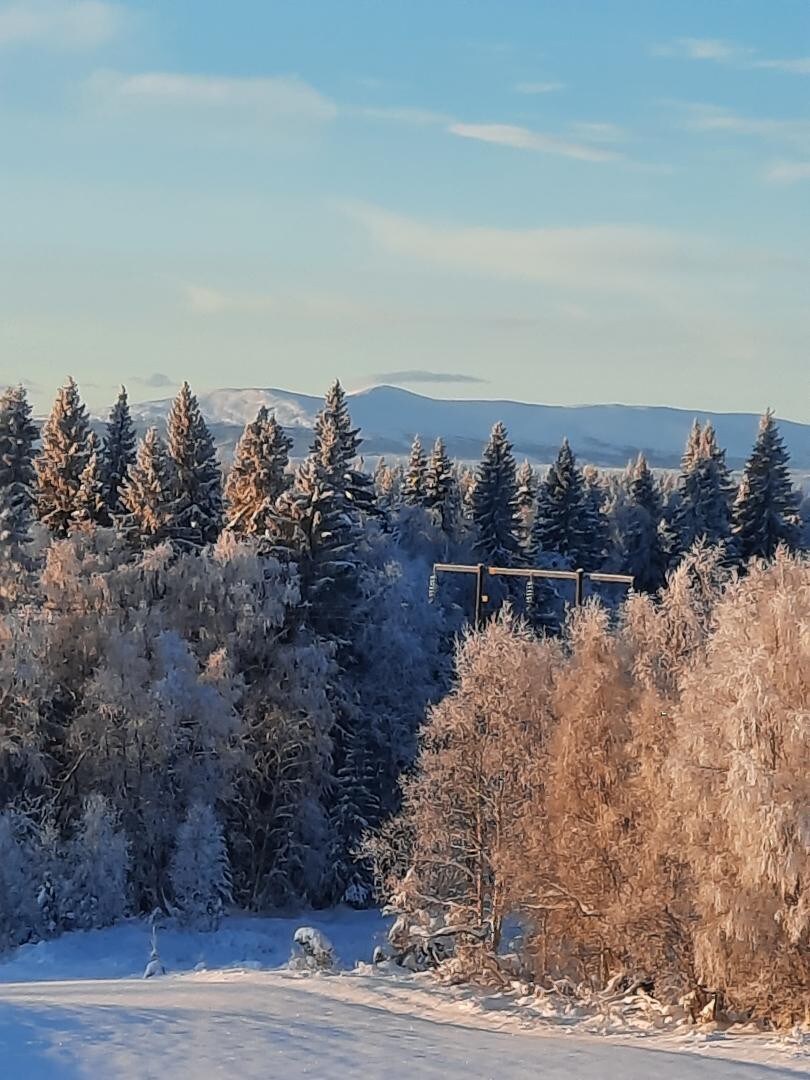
230	686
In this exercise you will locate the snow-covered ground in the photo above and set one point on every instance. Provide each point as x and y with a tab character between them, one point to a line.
77	1007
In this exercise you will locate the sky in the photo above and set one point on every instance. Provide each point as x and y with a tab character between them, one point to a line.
589	201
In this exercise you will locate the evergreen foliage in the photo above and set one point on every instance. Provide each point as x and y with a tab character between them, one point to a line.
200	871
441	489
90	507
258	476
18	434
766	509
118	452
527	486
494	504
641	547
566	520
65	453
147	494
703	509
413	482
197	510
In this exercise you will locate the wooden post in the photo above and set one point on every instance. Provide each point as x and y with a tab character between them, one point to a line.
579	591
480	596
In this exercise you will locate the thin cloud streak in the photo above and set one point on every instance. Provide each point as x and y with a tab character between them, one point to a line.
521	138
416	376
282	96
538	87
788	172
61	25
606	259
731	54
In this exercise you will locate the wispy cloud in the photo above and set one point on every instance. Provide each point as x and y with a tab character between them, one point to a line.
521	138
417	376
608	259
279	96
713	49
800	65
714	118
550	87
788	172
730	53
601	132
60	24
157	380
401	114
207	301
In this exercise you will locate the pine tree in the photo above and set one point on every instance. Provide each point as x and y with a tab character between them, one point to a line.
766	509
441	489
17	477
258	476
413	483
118	451
564	522
197	513
494	503
90	506
703	508
66	451
147	493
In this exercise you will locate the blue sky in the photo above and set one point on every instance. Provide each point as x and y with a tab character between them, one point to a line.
559	202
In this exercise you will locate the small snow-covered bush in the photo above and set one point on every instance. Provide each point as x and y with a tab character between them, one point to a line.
200	872
315	951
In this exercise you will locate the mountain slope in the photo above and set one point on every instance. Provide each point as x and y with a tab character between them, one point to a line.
388	416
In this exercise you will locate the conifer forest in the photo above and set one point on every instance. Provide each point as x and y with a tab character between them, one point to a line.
227	685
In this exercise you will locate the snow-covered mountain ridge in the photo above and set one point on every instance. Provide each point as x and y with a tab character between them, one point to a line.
389	417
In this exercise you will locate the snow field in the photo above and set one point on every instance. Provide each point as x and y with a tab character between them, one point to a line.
77	1007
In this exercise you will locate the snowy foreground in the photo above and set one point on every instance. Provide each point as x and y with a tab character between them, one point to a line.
229	1007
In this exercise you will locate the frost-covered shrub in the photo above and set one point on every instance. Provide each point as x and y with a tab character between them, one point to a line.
313	951
200	872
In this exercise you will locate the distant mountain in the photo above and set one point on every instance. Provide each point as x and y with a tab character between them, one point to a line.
606	435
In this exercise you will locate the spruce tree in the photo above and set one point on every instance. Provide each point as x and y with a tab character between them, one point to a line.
596	519
320	525
386	486
703	509
118	451
18	434
413	483
441	495
565	520
90	505
344	441
494	504
766	509
526	500
642	553
197	511
258	476
66	450
147	493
